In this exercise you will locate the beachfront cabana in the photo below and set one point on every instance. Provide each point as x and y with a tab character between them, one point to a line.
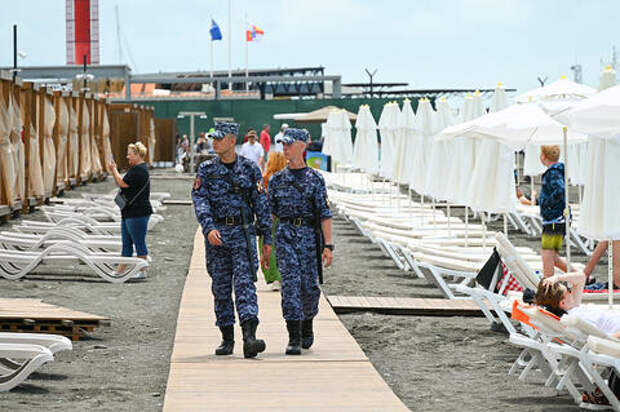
35	191
83	116
47	119
61	138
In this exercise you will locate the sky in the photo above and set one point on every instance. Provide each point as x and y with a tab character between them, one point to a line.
426	43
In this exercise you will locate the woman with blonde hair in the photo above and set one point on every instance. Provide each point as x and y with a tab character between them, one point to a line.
276	162
135	204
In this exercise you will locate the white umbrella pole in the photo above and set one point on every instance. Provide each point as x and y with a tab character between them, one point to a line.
610	274
580	187
484	230
434	215
449	228
566	205
532	199
505	225
466	227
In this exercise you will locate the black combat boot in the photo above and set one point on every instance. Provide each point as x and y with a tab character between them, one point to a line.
251	345
307	335
294	337
228	341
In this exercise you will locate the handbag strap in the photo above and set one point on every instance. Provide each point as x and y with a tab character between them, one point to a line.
148	181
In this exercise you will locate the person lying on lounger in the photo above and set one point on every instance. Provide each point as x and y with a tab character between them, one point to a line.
562	294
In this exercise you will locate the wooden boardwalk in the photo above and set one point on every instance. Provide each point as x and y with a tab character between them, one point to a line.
335	375
405	306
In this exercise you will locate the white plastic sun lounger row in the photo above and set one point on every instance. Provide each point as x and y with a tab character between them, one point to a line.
23	353
15	264
110	195
31	242
100	214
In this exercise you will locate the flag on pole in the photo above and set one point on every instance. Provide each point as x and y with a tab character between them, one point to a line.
252	33
216	33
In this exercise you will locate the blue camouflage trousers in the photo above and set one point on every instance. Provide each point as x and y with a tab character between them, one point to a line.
229	267
297	262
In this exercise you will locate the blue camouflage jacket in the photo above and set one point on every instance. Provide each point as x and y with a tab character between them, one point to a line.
287	202
214	198
551	198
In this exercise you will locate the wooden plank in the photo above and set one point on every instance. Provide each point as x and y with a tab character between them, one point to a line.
337	375
409	306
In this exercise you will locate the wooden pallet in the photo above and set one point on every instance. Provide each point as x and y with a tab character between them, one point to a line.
32	315
405	306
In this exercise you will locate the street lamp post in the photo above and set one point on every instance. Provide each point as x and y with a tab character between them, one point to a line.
192	134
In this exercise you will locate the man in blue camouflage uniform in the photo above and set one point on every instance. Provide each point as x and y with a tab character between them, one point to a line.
227	194
298	197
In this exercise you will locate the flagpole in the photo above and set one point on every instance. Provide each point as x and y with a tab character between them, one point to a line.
211	58
229	46
247	84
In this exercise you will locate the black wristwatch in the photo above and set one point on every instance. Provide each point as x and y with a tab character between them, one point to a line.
330	247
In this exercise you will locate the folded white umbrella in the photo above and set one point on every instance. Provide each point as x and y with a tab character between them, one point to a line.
366	148
421	155
491	188
608	78
388	126
441	160
406	143
599	218
562	89
462	149
338	141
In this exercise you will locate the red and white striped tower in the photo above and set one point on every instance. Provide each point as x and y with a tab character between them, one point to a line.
82	21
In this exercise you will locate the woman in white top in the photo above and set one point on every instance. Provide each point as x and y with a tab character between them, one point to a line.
563	293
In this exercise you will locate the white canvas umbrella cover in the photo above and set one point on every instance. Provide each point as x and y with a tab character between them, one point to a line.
366	148
406	144
388	124
608	78
562	88
423	131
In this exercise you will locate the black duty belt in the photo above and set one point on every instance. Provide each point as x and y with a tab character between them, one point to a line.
231	221
298	221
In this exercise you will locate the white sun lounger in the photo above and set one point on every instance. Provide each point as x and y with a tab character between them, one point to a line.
23	241
54	343
17	264
31	357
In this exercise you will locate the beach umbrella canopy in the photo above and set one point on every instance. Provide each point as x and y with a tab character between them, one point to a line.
388	126
424	123
515	126
441	159
608	78
366	148
406	143
598	115
560	89
491	187
315	116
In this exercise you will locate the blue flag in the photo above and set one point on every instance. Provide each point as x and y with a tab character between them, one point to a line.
216	33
